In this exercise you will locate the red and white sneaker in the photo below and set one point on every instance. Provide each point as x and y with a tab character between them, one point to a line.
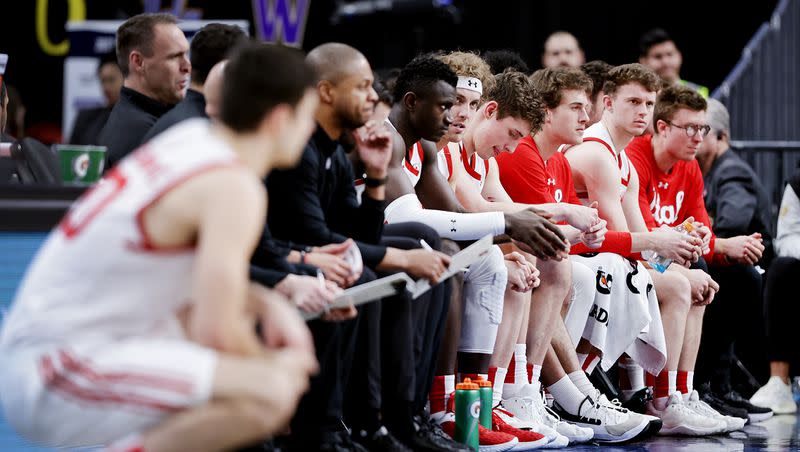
489	440
528	440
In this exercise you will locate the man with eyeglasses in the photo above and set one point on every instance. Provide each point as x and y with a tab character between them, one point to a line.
670	180
672	189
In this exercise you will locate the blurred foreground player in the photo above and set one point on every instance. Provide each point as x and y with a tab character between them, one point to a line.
168	359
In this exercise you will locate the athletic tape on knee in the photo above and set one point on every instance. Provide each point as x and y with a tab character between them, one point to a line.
450	225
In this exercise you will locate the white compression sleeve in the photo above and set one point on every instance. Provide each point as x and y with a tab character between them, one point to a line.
450	225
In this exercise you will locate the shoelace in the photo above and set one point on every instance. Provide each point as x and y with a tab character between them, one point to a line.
606	414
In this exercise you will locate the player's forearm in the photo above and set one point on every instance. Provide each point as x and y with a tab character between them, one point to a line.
641	241
394	260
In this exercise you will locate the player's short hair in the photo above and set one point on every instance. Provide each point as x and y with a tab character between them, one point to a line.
137	33
517	97
420	74
597	70
468	64
550	83
501	60
248	95
210	45
631	73
676	97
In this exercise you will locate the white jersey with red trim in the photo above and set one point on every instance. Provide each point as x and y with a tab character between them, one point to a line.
97	276
476	167
598	132
412	163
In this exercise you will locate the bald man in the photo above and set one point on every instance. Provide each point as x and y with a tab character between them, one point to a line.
212	89
562	49
317	205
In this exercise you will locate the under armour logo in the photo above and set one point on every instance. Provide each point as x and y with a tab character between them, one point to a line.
551	181
663	185
472	83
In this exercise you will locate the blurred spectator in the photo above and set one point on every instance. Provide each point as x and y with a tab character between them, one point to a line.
90	121
15	114
781	305
500	60
152	53
209	46
562	49
597	70
659	52
737	205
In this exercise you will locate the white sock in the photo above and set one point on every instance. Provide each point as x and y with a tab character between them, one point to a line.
498	385
689	385
536	375
582	383
520	377
635	375
567	394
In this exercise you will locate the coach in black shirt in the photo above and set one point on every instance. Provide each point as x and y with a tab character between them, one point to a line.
209	47
153	55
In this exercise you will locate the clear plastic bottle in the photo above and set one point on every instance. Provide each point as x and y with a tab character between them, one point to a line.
660	263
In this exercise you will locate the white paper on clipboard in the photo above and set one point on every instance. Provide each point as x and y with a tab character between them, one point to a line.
380	288
458	262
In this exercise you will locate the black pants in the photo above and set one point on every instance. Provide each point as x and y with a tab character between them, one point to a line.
781	309
397	344
321	409
732	324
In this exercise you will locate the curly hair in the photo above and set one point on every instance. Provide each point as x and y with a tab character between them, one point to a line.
516	97
500	60
673	98
631	73
551	82
421	73
597	70
468	64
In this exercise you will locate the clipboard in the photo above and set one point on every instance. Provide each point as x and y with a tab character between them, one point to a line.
394	284
364	293
458	262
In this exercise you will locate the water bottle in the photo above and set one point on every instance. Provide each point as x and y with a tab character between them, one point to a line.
486	401
660	263
468	408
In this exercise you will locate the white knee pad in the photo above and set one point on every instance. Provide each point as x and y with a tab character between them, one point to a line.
484	289
582	298
449	225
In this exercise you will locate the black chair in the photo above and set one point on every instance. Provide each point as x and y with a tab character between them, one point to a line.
36	163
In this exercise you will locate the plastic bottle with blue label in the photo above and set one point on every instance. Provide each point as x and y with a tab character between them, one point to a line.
660	263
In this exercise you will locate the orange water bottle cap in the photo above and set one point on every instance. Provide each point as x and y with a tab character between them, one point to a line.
467	385
483	383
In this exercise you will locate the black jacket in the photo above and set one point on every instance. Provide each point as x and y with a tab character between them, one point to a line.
130	119
737	202
192	106
315	203
88	125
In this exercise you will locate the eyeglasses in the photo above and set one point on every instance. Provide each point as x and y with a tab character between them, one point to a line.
692	129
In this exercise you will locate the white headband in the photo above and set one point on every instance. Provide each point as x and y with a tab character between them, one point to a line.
470	83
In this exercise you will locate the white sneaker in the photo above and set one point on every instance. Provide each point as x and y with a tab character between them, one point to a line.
703	409
528	408
653	423
679	419
610	425
775	395
574	433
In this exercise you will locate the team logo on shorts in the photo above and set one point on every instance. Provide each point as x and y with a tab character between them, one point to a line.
80	165
603	282
629	280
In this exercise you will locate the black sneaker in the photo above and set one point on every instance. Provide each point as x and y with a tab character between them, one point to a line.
378	441
754	413
427	436
328	442
722	407
638	401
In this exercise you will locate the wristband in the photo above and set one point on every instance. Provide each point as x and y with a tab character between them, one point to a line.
372	183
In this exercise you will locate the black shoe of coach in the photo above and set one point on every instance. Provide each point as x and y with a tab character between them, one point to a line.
379	441
429	437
